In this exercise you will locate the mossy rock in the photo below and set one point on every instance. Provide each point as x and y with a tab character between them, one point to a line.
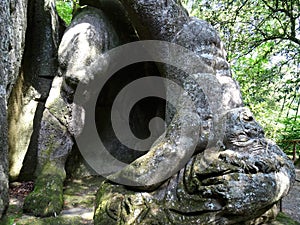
114	205
102	197
47	196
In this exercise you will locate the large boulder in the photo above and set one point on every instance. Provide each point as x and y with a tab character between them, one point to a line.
4	45
27	100
12	29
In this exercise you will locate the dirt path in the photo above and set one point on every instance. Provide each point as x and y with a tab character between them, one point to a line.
291	203
79	196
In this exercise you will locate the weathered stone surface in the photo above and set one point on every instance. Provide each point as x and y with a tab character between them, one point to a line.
54	143
21	112
12	29
32	88
234	178
234	175
231	185
196	35
200	38
118	16
4	49
156	20
18	16
43	38
87	37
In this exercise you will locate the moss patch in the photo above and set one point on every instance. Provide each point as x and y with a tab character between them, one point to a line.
47	196
14	212
79	196
42	221
283	219
81	192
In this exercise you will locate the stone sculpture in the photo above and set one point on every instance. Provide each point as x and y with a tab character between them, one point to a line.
219	185
237	184
83	41
234	175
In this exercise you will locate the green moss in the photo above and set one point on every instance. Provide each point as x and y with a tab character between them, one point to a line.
13	213
47	196
283	219
42	221
7	220
102	198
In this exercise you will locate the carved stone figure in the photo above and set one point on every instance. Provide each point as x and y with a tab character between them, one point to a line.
240	182
231	173
84	40
222	184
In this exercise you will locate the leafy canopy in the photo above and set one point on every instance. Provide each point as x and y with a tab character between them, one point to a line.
262	38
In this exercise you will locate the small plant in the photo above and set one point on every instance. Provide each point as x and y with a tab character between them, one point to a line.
65	10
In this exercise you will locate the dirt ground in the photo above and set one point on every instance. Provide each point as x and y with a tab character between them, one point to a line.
291	203
79	203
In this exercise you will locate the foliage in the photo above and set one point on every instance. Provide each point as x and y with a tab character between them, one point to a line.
65	9
262	38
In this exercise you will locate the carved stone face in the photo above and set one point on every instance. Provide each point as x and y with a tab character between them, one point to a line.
248	176
242	130
246	146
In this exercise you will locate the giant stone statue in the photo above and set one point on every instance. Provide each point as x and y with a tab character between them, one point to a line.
232	175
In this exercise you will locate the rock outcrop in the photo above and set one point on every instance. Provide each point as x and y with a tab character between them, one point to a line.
12	28
239	183
27	101
4	49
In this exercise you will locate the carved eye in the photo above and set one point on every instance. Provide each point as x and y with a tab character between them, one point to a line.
243	137
247	117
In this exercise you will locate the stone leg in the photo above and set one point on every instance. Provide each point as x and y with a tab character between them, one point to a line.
89	34
55	144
